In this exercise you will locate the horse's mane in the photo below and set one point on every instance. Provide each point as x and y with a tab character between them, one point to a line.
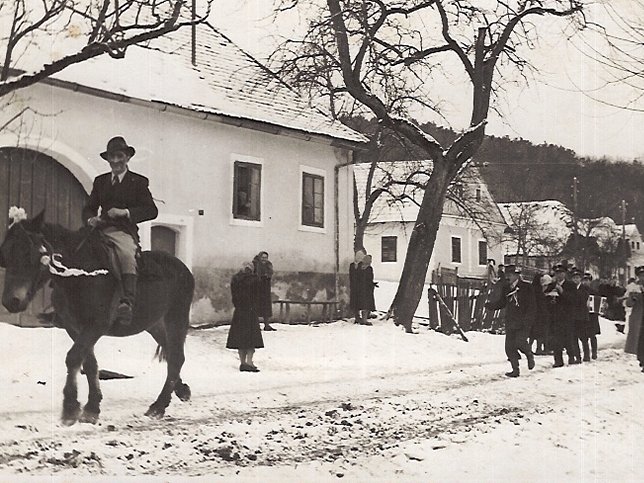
81	248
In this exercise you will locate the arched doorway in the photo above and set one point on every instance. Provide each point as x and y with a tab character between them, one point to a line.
35	181
163	239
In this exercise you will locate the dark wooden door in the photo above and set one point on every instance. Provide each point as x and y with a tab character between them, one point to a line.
35	181
163	239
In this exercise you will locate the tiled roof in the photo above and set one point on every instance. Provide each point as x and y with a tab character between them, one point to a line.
386	209
226	81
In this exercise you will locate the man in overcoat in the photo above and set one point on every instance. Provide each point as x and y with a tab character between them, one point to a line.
124	200
520	307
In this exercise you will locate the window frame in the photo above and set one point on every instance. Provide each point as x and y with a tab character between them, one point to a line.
315	173
247	160
485	259
395	249
460	249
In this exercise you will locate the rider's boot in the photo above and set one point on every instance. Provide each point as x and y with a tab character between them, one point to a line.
126	304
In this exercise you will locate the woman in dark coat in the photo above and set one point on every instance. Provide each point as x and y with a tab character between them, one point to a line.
354	283
264	270
366	285
245	334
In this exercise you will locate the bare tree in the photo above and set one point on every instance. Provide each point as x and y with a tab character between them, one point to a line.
616	44
535	230
381	56
85	30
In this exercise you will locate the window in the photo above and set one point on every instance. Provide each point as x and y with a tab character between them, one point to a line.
478	194
482	252
388	248
247	191
312	200
456	249
638	245
633	245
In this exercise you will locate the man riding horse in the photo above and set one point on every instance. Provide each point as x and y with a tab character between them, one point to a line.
125	200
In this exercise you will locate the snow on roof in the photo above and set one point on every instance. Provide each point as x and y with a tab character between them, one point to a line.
226	81
547	225
400	202
632	231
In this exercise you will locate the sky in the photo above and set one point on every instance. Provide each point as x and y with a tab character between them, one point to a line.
557	107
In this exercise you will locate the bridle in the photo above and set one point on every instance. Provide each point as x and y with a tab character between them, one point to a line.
51	262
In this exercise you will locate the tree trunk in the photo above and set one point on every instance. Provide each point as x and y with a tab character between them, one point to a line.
358	239
419	250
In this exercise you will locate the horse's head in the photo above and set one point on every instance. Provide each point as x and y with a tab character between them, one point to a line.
21	254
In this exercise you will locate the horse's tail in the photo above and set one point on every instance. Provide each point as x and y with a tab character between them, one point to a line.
160	354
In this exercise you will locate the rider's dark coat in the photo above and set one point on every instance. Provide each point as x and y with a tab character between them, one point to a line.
131	193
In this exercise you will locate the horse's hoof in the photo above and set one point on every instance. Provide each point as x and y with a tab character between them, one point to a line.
89	417
183	392
155	412
68	421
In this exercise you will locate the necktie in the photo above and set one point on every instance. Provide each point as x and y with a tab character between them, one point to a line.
115	180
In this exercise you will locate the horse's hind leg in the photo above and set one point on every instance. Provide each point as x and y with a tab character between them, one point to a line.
174	339
93	407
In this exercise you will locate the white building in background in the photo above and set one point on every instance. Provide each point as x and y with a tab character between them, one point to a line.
237	163
464	242
546	227
634	238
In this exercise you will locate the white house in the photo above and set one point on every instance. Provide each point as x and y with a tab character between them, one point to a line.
237	162
541	229
634	238
467	237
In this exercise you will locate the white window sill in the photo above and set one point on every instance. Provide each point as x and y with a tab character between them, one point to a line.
248	223
312	229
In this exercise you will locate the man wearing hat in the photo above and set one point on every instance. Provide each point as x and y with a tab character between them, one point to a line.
594	303
125	200
520	308
563	330
579	313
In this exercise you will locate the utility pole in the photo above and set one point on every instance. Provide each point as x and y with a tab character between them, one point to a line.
574	219
623	264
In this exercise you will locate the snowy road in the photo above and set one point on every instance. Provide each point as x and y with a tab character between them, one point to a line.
417	422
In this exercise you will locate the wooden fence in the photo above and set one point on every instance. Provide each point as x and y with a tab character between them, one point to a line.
466	300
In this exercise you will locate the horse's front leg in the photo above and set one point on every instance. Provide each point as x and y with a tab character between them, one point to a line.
93	407
83	344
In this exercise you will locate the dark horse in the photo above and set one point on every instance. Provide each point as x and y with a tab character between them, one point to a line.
84	304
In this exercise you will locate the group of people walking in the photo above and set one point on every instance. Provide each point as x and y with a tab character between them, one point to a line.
558	311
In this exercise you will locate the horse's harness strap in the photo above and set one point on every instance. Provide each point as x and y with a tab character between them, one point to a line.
53	261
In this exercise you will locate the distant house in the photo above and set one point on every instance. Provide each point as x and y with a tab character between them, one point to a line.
469	233
634	238
540	231
237	163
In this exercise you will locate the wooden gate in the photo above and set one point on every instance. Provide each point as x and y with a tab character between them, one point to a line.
35	181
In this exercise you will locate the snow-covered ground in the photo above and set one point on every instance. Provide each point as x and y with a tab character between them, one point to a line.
338	401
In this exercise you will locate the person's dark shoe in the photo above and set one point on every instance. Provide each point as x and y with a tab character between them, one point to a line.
594	355
530	361
513	373
365	322
269	328
247	368
557	364
586	359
